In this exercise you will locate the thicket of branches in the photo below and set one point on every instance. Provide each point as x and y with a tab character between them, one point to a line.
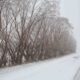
27	34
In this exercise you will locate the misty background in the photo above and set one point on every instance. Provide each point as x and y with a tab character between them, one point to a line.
70	9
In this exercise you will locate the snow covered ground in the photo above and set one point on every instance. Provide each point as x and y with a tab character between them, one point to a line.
64	68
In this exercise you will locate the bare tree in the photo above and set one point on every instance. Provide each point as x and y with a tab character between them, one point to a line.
30	32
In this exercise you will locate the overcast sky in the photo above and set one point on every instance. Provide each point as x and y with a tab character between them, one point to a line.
71	10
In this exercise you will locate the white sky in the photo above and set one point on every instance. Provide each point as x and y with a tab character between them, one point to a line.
70	9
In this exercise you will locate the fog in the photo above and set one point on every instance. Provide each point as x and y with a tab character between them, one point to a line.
70	9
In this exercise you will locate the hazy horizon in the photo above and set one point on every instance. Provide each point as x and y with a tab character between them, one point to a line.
70	10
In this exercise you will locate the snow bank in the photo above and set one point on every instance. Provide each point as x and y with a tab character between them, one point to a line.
63	68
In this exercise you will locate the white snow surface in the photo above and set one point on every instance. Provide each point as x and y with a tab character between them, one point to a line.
63	68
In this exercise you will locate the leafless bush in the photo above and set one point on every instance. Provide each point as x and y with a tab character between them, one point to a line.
28	34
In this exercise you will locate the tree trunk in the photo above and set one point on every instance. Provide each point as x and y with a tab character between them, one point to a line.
0	22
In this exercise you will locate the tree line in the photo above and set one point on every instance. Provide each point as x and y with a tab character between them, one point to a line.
27	34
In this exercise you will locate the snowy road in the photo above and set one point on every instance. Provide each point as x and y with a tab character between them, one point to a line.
63	68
